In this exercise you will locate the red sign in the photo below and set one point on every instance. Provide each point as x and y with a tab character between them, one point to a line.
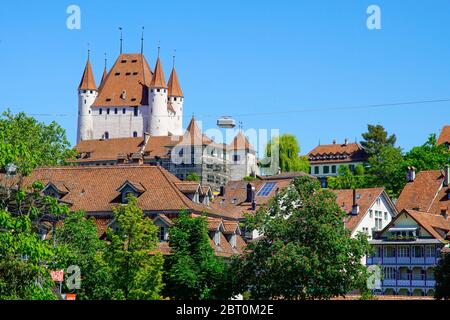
71	296
57	275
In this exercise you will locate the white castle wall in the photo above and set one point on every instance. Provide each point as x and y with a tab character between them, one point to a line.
85	126
120	125
159	120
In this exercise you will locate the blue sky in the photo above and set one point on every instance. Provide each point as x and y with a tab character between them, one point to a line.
245	57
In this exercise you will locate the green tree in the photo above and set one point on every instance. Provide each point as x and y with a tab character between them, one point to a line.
29	144
136	269
305	252
288	149
375	139
193	271
79	244
429	156
389	169
193	176
442	275
347	180
25	259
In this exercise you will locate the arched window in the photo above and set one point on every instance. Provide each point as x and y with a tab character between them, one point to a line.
106	135
135	134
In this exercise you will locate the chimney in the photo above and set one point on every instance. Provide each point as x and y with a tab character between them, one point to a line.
334	141
411	174
222	191
254	205
146	139
250	193
355	206
447	176
345	142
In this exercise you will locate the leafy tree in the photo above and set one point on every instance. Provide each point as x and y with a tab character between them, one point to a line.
429	156
389	169
193	271
289	150
79	244
305	252
136	269
29	144
25	259
347	180
193	176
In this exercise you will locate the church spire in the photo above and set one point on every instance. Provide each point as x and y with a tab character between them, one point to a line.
88	81
174	84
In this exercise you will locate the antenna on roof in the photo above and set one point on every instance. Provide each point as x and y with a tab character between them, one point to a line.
159	47
121	39
142	41
241	125
89	50
174	55
106	60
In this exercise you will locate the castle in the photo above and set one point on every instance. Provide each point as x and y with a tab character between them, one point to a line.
130	101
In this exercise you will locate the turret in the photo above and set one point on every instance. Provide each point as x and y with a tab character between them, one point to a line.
159	120
87	93
176	99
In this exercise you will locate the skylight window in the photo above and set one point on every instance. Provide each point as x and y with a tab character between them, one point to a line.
266	189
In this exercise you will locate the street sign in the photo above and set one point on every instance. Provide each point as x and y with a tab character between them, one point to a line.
57	275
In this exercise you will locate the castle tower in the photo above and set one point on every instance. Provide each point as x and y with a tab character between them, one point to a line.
159	116
176	99
87	93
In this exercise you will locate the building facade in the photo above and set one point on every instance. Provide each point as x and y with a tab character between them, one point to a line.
325	160
407	252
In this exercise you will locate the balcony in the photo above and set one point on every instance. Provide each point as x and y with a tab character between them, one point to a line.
389	260
430	283
418	283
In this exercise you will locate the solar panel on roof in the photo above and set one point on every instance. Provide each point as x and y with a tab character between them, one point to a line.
266	189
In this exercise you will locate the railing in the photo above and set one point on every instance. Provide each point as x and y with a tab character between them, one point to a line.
408	283
402	260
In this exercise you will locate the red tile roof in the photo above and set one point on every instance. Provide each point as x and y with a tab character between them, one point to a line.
425	194
174	85
435	224
87	81
444	137
158	80
365	199
131	75
330	153
240	142
94	189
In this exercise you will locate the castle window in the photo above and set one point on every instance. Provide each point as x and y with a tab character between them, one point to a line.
117	74
115	111
107	111
135	73
106	135
100	111
175	99
135	134
159	90
133	61
124	110
135	111
85	101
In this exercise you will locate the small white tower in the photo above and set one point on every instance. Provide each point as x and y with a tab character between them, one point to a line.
87	93
159	116
176	99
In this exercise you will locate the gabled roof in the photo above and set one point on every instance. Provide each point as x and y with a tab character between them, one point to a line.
158	80
426	193
436	225
240	142
93	189
188	187
131	75
365	198
174	85
87	81
347	152
444	137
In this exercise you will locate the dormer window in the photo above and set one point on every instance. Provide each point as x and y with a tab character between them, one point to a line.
130	189
163	234
217	238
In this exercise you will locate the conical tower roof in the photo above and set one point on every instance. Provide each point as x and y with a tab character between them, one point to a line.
174	85
158	80
87	81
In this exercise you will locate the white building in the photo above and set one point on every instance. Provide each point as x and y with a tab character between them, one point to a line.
130	101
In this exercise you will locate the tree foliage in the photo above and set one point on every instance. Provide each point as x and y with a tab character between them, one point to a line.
442	275
29	144
288	149
429	156
375	139
193	271
193	176
305	252
136	269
